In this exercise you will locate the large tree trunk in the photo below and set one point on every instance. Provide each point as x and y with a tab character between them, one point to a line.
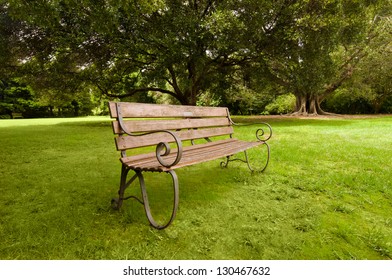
189	97
308	105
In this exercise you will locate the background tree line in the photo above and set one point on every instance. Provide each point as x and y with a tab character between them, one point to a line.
66	57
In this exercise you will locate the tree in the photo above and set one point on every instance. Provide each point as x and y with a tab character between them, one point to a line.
176	47
187	48
380	80
376	70
318	46
15	97
8	43
374	73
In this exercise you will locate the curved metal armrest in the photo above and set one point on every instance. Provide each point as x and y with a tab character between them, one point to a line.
163	148
261	133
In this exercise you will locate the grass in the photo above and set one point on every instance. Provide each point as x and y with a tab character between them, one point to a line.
327	194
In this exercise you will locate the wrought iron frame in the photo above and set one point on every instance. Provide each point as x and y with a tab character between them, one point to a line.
224	164
162	149
261	136
124	184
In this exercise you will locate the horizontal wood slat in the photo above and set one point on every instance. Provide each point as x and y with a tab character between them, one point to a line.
128	142
153	125
186	122
140	110
191	155
150	157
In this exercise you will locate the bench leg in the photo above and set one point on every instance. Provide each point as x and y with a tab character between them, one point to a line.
124	184
117	202
224	164
266	162
147	205
268	157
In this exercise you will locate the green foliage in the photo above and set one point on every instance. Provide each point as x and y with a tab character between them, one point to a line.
304	59
244	101
375	74
209	99
192	51
349	101
283	104
370	89
123	48
15	97
9	50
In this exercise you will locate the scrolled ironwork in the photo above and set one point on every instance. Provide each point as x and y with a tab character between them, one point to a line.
261	134
117	202
147	204
163	146
224	164
163	150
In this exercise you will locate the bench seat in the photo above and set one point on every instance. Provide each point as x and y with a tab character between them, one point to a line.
190	155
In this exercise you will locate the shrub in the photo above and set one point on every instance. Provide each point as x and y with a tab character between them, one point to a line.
283	104
244	101
349	101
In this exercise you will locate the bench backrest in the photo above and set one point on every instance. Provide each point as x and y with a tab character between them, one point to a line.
188	122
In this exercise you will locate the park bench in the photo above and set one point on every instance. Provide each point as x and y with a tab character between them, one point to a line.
17	115
175	131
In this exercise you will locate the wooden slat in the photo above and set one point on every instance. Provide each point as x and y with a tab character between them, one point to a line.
128	142
141	110
150	157
195	153
191	155
153	125
186	122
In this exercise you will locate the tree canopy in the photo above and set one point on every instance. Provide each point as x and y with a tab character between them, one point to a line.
319	45
187	48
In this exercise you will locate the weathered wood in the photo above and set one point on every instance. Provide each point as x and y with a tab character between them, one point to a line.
125	142
174	124
193	155
151	157
138	110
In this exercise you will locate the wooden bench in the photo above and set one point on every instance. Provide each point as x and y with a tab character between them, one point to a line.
17	116
173	131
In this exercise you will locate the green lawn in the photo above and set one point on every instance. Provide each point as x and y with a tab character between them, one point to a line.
327	194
